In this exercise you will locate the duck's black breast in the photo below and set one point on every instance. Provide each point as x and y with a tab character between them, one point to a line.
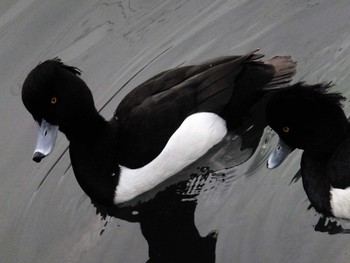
338	166
321	174
316	182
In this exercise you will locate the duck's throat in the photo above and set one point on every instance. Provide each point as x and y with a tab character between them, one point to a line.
86	127
196	135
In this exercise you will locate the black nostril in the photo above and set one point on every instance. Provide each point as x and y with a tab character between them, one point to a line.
38	156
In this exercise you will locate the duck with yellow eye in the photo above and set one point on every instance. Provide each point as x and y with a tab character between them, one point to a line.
321	129
158	129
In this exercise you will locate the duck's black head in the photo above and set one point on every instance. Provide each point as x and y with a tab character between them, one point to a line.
54	92
308	117
58	98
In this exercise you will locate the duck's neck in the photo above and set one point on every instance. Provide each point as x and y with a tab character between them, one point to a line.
329	135
94	159
85	127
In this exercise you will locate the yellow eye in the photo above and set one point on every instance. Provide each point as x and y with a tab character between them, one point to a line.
285	129
53	100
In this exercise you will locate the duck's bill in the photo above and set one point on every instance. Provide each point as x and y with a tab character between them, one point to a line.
46	140
280	153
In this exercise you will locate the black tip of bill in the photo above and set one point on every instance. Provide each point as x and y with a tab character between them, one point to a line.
38	156
46	140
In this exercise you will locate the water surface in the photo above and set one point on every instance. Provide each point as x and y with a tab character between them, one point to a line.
250	214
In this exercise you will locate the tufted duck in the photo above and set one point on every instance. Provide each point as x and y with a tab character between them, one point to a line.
158	129
309	117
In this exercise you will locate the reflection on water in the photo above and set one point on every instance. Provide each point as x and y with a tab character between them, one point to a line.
329	226
256	215
167	223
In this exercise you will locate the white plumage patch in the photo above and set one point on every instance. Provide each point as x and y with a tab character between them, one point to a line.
340	202
196	135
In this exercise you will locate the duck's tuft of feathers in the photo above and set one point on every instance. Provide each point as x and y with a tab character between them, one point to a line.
315	92
58	62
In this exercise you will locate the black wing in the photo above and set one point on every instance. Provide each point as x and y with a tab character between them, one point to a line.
152	112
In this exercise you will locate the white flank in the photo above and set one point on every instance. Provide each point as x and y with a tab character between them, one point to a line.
196	135
340	202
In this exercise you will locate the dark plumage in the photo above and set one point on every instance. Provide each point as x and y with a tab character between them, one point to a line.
311	118
148	116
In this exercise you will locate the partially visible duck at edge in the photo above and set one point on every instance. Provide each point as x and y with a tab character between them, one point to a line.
311	118
159	128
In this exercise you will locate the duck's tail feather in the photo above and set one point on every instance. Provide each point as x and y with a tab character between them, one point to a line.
285	68
246	58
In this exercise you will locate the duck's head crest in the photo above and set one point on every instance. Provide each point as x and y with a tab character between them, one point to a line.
54	91
59	62
319	91
305	116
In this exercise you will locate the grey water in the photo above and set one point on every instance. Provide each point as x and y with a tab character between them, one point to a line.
227	206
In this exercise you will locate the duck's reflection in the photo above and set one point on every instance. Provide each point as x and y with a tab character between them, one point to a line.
167	223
